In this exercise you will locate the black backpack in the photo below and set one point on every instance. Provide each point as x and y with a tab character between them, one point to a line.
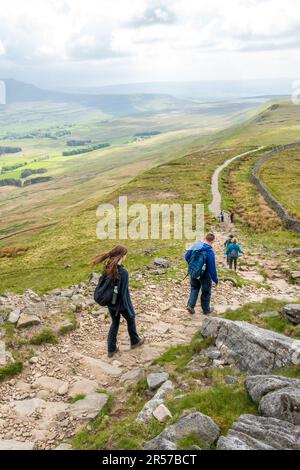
104	291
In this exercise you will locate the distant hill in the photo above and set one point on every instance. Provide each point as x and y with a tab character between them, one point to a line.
108	103
204	89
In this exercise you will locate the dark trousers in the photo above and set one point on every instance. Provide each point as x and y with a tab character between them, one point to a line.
232	261
114	328
205	285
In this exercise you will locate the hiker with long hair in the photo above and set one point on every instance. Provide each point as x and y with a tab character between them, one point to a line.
232	251
122	304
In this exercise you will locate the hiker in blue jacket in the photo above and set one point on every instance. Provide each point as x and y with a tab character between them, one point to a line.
232	251
203	252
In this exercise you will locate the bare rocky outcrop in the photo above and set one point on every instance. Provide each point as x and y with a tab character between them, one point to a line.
261	433
253	350
278	397
292	313
197	423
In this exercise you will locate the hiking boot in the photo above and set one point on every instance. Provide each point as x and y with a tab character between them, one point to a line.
111	354
208	311
141	341
190	309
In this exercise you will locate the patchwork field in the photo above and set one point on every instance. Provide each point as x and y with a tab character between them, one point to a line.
67	184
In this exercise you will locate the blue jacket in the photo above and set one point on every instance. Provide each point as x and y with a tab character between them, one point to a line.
233	246
211	260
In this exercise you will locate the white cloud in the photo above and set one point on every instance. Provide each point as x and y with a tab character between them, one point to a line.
149	39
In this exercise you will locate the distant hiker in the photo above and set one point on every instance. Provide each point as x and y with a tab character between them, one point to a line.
222	217
231	216
202	271
113	291
232	251
226	243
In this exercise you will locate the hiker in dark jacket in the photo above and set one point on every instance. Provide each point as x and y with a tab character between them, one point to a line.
232	216
123	306
232	251
205	281
226	243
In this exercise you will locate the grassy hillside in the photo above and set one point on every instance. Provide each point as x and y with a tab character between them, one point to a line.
281	175
259	223
277	123
73	240
42	131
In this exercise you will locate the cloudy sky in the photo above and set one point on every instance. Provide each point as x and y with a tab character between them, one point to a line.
98	42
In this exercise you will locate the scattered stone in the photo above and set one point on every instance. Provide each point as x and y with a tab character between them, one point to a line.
14	316
162	262
293	251
66	325
159	443
88	407
5	356
292	313
16	445
33	360
230	379
230	279
260	433
83	387
213	354
197	423
63	447
132	376
156	379
26	407
23	386
269	315
146	413
26	320
295	275
161	413
63	389
252	349
94	278
98	367
52	384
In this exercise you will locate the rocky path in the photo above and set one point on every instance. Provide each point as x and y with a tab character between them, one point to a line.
36	407
215	206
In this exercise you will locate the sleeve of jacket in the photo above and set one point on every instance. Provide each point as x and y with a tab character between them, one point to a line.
187	255
124	291
212	269
240	249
